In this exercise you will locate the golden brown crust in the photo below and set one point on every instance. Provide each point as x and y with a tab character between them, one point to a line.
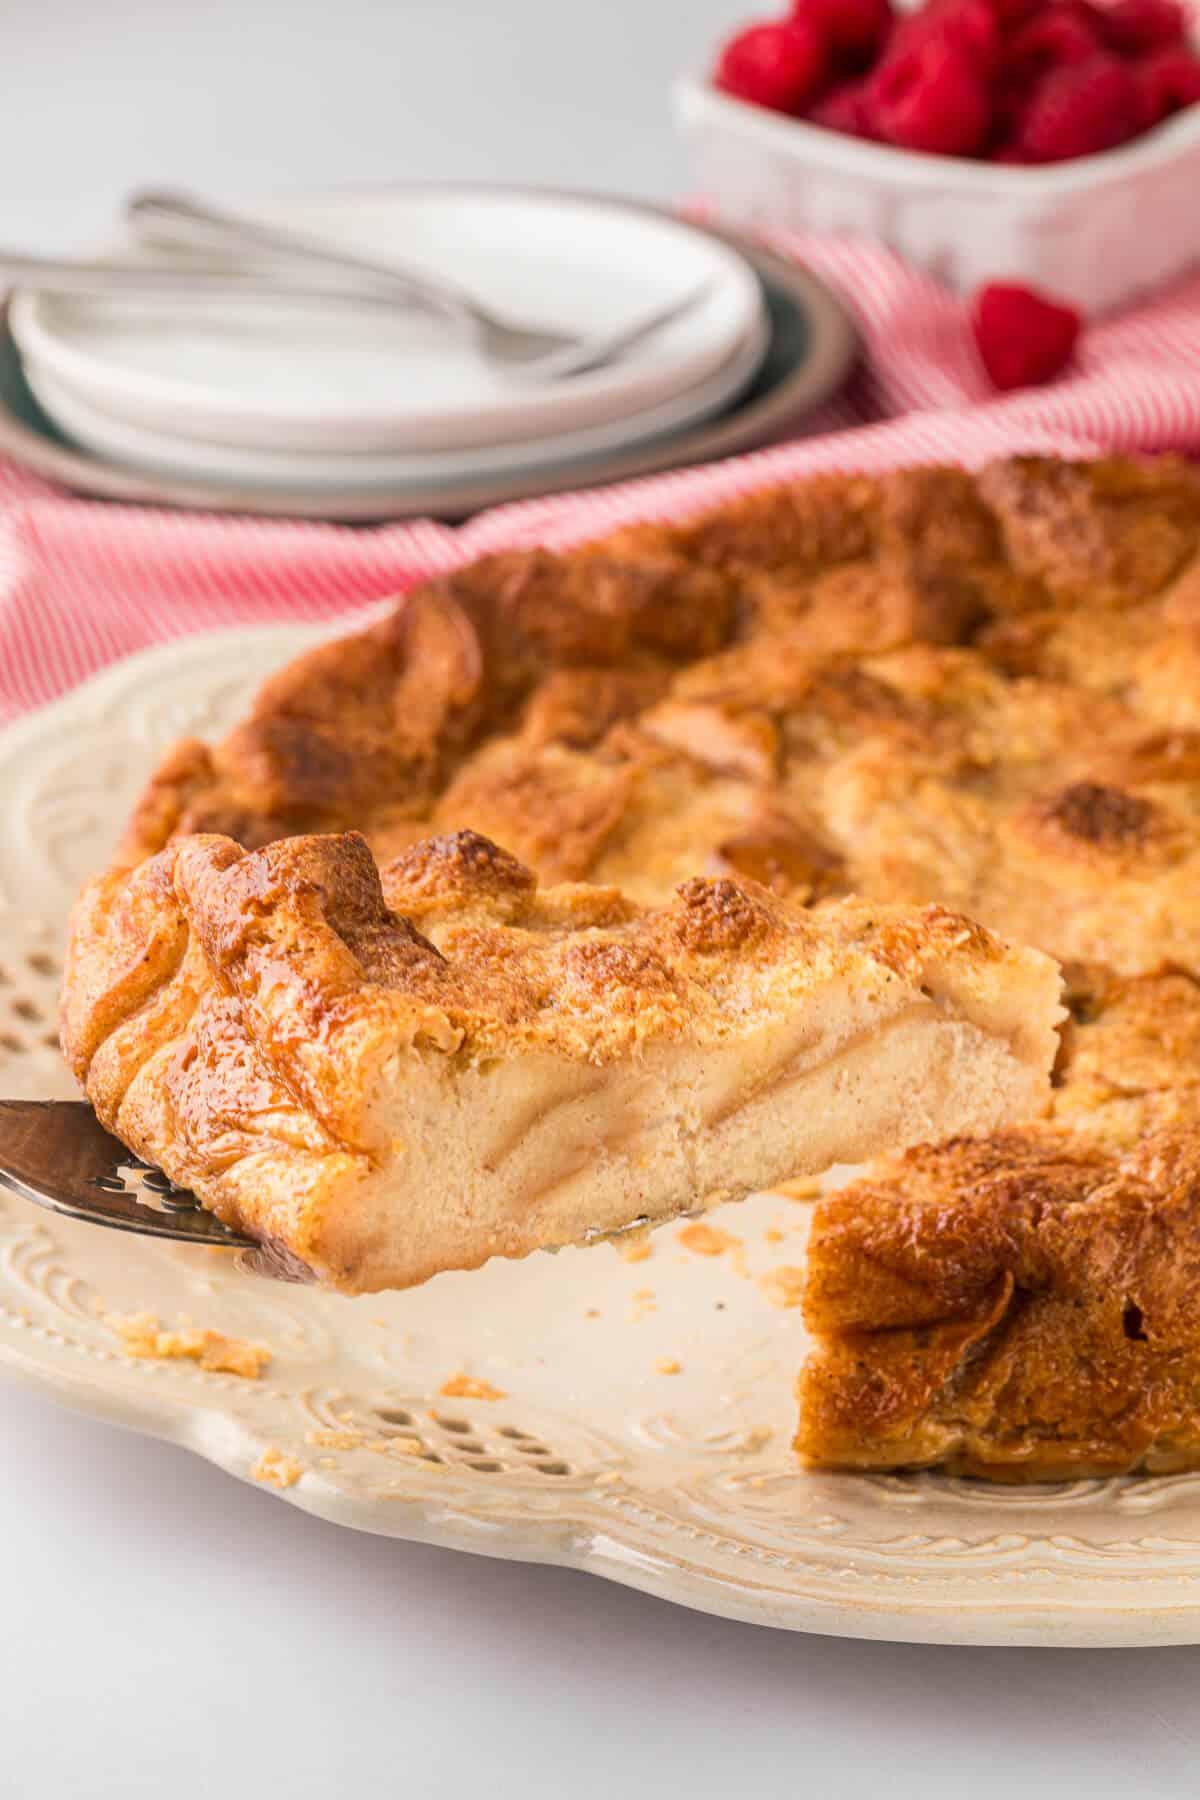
308	937
1027	1306
264	1026
923	686
1021	1307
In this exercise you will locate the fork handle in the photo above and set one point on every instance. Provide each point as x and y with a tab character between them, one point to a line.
65	275
176	221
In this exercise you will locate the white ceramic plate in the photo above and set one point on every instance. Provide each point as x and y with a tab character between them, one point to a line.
159	453
682	1484
279	378
811	351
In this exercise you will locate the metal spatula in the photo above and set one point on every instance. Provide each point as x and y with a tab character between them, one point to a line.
57	1154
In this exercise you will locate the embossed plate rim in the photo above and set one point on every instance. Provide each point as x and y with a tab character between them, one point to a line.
711	1520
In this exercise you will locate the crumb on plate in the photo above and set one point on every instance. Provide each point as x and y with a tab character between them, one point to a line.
469	1387
636	1252
326	1439
783	1287
276	1469
805	1187
708	1240
642	1304
142	1335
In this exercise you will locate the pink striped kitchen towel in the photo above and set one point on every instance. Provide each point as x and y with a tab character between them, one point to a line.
83	582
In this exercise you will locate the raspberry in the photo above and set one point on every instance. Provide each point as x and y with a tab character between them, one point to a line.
845	108
971	24
1022	336
778	66
1135	26
1061	34
968	25
930	96
1013	12
1166	83
854	29
1080	109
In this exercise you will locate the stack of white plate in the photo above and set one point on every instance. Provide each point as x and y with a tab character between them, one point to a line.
265	398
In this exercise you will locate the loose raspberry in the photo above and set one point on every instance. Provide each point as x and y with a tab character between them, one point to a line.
845	108
1080	109
779	66
1022	337
854	29
1133	27
1166	83
930	96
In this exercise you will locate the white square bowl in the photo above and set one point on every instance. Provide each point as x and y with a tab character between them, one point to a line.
1096	232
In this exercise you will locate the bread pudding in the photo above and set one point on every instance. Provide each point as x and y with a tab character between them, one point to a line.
976	692
1023	1306
385	1074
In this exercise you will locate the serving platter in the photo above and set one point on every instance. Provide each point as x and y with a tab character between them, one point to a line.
626	1417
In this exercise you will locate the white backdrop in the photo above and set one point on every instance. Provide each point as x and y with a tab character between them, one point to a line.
238	99
165	1632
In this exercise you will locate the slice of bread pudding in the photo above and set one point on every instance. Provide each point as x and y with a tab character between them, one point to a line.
384	1074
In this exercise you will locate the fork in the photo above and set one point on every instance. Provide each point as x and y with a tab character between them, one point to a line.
167	220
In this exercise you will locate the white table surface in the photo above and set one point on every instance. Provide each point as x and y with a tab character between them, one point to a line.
167	1632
